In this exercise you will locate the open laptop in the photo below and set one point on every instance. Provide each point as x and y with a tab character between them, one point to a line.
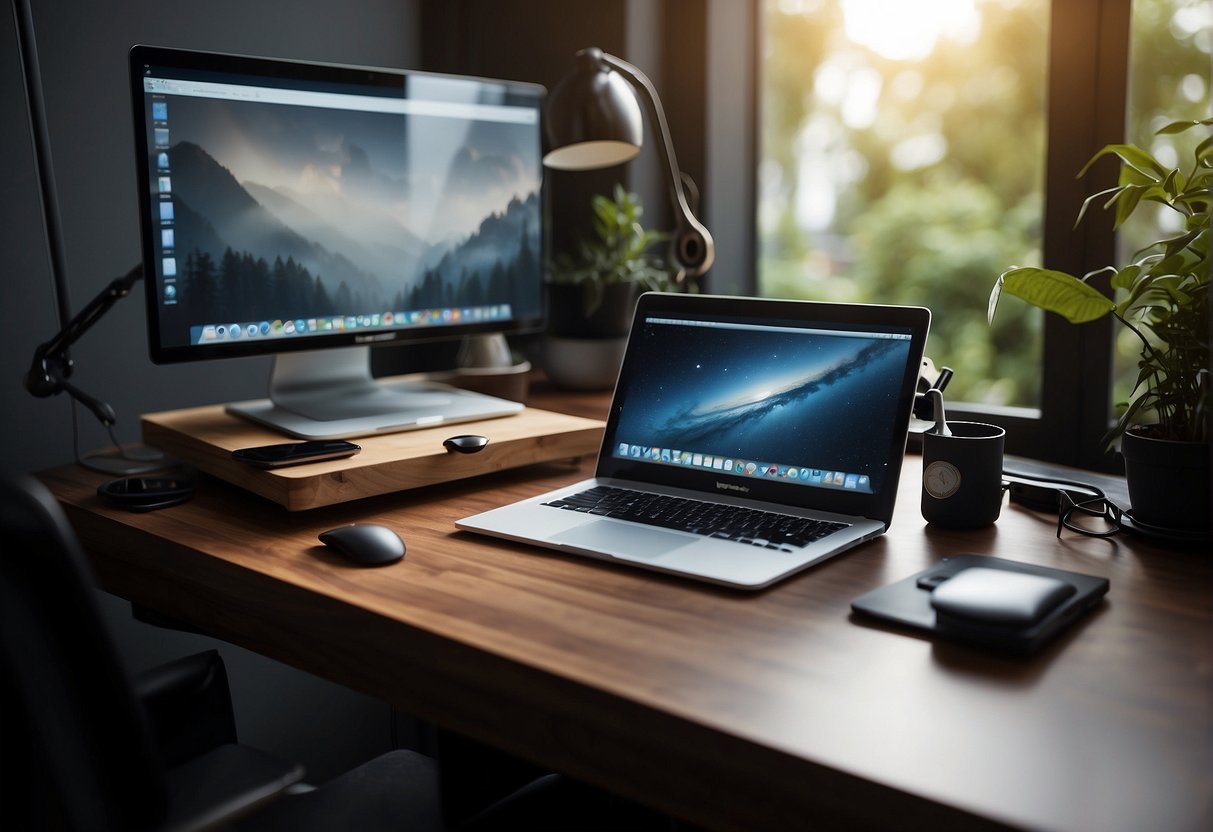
787	417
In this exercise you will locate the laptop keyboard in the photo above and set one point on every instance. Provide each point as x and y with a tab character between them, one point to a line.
767	529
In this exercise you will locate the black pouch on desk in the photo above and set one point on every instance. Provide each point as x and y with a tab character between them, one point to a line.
1003	604
140	494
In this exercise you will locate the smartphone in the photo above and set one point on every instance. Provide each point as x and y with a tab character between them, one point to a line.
295	453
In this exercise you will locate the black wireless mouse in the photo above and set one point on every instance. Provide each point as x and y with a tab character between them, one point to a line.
365	544
469	443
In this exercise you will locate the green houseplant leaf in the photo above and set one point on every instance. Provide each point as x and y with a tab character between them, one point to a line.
1162	297
1052	291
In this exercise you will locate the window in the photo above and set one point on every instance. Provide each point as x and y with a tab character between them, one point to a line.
910	152
903	162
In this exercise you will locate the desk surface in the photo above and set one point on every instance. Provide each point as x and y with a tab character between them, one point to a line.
769	710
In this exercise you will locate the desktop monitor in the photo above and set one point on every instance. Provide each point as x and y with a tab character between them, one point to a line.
313	211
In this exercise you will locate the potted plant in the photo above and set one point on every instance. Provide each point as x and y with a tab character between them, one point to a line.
591	296
1162	297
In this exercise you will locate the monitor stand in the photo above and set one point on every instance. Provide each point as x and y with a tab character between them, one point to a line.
330	394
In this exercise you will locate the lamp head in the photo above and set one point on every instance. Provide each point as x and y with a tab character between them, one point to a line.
594	121
593	117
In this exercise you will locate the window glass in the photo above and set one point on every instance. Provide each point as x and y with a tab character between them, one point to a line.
902	161
1170	66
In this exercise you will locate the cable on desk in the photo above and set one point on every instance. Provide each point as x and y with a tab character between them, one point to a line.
1044	493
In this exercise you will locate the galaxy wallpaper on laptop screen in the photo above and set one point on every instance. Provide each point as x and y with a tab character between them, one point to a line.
795	398
299	212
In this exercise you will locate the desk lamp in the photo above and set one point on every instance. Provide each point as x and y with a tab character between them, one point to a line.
593	121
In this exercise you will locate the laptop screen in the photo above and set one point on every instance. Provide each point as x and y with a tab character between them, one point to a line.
750	403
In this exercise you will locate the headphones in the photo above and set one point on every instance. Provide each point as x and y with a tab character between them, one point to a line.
141	494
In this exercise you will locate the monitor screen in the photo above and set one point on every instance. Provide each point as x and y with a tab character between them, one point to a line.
290	206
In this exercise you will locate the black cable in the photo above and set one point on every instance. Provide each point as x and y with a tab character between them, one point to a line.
1034	479
75	433
123	453
1043	493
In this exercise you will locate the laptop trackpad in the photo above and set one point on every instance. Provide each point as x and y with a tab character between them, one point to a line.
622	540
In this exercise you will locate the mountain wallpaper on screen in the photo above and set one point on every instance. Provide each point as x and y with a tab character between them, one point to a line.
316	229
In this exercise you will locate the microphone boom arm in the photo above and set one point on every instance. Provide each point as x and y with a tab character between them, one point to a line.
51	367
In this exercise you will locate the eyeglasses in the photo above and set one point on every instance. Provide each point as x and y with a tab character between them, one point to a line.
1094	517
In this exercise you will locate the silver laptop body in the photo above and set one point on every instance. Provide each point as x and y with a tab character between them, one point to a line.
747	440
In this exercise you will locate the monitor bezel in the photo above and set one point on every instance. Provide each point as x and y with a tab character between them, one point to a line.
308	72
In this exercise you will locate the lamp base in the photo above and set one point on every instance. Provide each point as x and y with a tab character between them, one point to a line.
126	462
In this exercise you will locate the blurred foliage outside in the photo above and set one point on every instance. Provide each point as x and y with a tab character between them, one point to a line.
903	150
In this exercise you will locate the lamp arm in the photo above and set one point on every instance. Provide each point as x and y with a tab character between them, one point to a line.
693	247
666	145
50	369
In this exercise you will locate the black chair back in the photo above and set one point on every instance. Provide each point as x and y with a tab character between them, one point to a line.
77	751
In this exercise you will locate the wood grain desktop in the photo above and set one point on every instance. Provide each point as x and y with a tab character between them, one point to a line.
734	711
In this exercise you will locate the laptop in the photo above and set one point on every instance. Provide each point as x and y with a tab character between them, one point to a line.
748	439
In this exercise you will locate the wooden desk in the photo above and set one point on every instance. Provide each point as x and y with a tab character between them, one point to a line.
739	711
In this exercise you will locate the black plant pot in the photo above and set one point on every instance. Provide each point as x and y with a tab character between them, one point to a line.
1168	482
583	352
612	318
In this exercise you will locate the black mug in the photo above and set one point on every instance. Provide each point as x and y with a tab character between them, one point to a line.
962	475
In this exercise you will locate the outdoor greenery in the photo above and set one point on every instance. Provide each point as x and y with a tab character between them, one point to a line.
623	251
1162	294
903	160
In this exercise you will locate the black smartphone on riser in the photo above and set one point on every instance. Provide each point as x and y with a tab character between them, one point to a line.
295	453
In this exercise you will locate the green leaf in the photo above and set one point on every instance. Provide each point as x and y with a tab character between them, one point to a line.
1124	278
1174	245
1052	291
992	307
1180	126
1127	418
1127	200
1170	265
1203	149
1132	156
1086	203
1174	183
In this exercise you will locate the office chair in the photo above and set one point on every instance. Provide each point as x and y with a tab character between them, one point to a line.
85	746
